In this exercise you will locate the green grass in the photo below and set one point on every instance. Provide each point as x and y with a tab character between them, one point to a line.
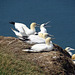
11	65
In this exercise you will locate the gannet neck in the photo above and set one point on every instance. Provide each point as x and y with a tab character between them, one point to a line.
73	57
32	26
45	35
42	26
40	35
48	41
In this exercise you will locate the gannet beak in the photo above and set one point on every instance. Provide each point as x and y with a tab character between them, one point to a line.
37	25
72	49
50	35
47	26
47	22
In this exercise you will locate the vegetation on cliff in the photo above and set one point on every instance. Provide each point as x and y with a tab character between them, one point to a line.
13	61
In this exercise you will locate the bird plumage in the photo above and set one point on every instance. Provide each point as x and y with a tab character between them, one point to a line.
69	49
21	26
41	47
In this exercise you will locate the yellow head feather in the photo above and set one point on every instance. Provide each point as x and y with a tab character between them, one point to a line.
73	57
32	26
40	35
48	41
45	35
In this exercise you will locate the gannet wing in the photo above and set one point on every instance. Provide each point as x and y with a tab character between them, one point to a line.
36	39
39	47
16	33
19	26
23	32
70	53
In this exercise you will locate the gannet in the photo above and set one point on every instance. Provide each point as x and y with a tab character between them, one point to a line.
40	38
33	39
20	26
42	27
20	35
73	58
69	49
48	46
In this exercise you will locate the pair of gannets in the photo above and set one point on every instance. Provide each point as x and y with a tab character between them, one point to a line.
40	38
22	27
24	31
47	46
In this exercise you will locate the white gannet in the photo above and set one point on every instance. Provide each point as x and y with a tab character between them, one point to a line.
42	27
20	26
20	35
69	49
40	38
73	58
48	46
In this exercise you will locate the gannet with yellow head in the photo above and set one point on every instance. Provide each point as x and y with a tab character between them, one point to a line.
69	49
73	58
47	46
20	26
35	39
40	38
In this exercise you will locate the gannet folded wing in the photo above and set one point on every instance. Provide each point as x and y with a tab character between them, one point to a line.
19	26
37	48
36	39
18	34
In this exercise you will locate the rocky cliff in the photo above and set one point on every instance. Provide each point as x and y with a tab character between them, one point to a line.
13	61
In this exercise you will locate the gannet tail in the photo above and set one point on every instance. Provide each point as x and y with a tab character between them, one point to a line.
12	22
28	50
14	31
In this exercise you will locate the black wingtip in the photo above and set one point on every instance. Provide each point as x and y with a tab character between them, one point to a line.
12	23
25	37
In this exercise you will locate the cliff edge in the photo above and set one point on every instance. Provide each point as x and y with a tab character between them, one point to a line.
13	61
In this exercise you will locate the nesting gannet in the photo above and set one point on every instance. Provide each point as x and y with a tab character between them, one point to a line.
35	39
20	26
69	49
73	58
20	35
42	27
40	38
48	46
